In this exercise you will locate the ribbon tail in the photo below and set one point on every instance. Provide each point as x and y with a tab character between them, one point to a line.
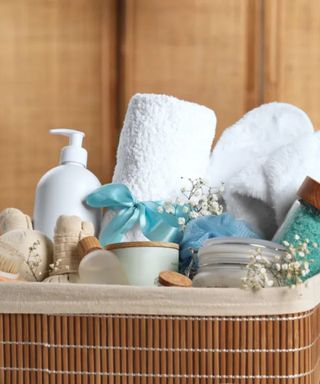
119	225
159	226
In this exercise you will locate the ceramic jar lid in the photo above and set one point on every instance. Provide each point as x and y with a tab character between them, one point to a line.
134	244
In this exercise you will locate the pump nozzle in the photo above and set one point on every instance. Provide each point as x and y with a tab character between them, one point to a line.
74	151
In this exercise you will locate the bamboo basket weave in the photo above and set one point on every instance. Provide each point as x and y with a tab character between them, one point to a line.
158	335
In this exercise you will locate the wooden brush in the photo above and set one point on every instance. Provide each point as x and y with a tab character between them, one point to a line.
10	266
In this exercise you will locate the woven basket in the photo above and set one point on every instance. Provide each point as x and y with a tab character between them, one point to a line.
89	334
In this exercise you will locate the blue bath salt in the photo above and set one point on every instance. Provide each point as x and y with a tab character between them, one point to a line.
303	220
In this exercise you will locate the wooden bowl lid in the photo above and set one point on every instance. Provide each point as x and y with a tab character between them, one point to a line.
132	244
310	192
174	279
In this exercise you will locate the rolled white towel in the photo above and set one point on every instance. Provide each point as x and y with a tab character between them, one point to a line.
162	140
262	160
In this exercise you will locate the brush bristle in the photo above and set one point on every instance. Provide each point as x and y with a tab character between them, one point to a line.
10	264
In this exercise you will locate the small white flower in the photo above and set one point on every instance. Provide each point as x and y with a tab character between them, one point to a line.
193	202
297	265
179	201
284	267
301	254
204	204
193	215
214	197
170	209
285	243
288	256
296	237
315	245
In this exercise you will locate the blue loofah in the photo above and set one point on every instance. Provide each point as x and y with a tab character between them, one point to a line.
207	227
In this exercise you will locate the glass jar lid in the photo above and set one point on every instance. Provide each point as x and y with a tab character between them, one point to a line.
231	250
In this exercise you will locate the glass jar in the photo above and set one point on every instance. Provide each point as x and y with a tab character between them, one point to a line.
222	261
303	223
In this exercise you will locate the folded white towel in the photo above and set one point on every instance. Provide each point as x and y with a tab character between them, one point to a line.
262	160
162	140
255	135
295	161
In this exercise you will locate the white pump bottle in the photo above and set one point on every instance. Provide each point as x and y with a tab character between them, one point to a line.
63	189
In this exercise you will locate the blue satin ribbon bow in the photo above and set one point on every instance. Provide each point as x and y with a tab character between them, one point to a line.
154	225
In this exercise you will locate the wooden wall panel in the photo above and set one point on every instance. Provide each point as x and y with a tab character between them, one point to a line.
76	63
292	54
205	51
57	69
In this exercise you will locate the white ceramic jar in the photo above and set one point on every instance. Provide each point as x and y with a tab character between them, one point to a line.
144	260
222	261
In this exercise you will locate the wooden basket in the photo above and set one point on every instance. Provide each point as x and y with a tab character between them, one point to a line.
154	335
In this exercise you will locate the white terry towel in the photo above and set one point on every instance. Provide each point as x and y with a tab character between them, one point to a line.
262	160
162	140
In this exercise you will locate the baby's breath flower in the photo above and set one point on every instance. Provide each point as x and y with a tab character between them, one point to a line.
193	215
288	256
286	268
197	199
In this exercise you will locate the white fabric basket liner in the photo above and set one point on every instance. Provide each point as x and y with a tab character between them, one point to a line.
45	298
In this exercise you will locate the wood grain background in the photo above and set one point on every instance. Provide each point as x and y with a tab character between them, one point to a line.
66	63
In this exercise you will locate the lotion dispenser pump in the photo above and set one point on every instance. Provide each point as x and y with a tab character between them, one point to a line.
74	152
63	189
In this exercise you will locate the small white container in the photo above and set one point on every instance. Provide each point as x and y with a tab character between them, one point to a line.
222	261
144	260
